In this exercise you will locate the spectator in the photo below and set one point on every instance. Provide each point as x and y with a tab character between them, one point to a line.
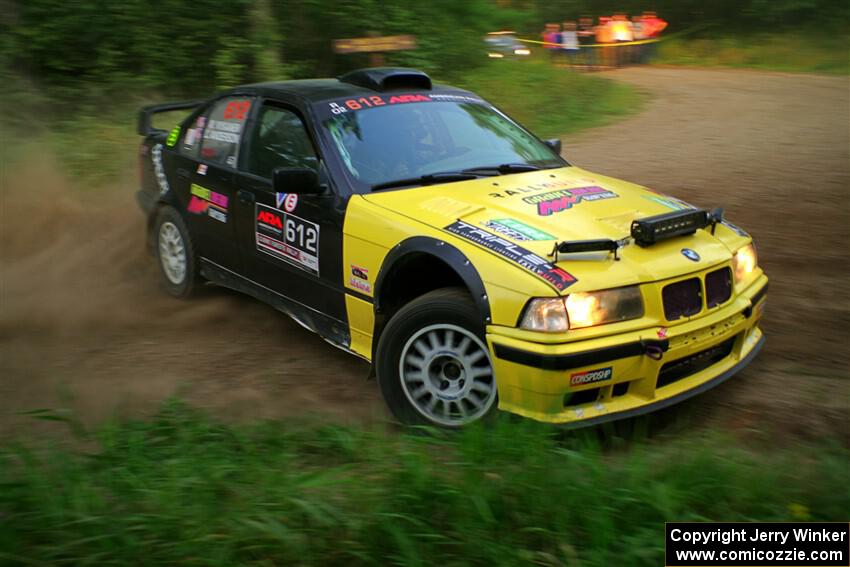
654	26
569	43
586	37
604	37
551	38
640	35
621	32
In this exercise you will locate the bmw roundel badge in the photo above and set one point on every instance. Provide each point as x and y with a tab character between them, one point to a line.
690	254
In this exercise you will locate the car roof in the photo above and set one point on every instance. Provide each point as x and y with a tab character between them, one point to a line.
315	90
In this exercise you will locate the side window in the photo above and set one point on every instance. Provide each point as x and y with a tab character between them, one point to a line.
279	140
217	132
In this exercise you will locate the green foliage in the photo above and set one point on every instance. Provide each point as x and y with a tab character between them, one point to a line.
551	101
181	489
792	51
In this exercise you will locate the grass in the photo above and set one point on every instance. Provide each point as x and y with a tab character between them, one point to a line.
97	144
181	489
550	101
819	51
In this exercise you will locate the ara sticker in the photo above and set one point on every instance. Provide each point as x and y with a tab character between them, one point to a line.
172	137
360	279
591	376
516	230
557	277
565	199
287	238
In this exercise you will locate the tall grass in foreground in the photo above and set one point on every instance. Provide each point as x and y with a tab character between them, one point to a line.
181	489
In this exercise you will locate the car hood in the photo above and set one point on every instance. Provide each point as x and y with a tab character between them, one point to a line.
536	209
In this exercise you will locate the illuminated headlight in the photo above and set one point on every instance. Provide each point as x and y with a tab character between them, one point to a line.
495	55
577	310
522	51
744	262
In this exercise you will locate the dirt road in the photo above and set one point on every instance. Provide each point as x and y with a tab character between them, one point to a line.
84	326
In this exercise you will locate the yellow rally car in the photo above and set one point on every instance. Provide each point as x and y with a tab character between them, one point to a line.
418	227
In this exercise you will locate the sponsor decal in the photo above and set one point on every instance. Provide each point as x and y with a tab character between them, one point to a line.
172	137
207	195
360	279
161	179
691	255
516	230
549	185
288	238
662	333
217	214
669	202
286	201
197	206
290	202
579	412
556	277
194	134
565	199
237	109
206	201
591	376
202	169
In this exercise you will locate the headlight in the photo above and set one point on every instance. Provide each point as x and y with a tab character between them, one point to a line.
745	261
546	314
522	51
577	310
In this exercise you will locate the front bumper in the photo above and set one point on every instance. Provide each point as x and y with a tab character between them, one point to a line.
620	376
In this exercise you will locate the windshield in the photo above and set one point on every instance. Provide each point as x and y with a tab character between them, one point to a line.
386	138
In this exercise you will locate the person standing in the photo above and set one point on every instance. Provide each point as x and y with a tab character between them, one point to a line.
569	43
586	37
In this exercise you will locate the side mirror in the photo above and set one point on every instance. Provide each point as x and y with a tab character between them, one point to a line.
298	180
554	144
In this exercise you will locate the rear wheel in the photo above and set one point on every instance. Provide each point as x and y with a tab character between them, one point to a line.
174	251
433	363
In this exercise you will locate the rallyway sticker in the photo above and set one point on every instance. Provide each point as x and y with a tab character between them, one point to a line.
556	277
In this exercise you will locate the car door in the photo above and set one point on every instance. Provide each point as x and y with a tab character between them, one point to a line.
291	243
211	148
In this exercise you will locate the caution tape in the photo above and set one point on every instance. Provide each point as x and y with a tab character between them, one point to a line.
614	44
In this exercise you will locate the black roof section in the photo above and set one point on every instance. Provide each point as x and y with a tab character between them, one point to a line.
363	82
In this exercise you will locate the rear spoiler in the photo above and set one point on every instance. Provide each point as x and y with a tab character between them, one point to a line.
145	114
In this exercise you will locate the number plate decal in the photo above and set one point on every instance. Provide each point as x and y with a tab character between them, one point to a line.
287	237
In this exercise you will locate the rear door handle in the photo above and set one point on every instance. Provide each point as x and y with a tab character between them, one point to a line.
246	197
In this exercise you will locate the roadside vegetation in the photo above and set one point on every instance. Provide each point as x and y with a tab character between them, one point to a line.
181	489
820	51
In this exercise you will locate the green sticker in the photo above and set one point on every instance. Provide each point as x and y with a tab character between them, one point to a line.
518	230
172	137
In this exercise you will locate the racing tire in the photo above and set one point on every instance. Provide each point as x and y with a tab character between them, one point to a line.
175	254
433	364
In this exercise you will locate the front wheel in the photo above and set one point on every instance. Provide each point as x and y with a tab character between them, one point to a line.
433	363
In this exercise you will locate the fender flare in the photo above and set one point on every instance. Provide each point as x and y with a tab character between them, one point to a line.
449	255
